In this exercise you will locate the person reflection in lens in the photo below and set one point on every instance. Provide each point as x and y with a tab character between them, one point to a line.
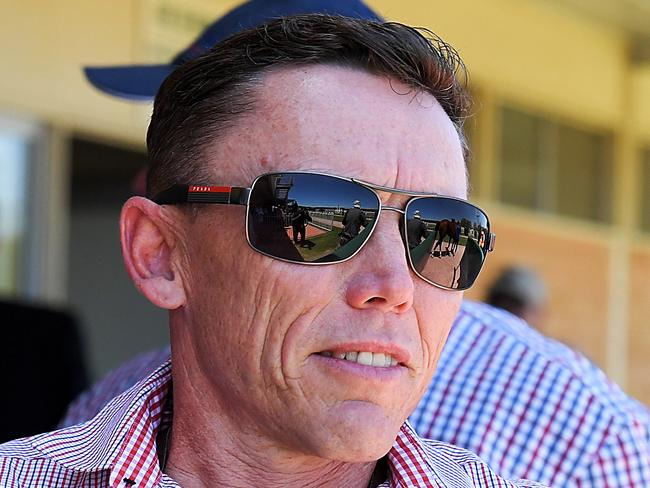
416	230
353	220
299	224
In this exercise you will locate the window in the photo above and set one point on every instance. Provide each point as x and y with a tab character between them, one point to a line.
14	162
554	167
584	174
521	159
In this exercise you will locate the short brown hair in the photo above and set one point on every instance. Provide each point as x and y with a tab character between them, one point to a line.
206	96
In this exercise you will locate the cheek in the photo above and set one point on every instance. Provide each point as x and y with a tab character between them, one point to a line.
246	305
436	311
291	300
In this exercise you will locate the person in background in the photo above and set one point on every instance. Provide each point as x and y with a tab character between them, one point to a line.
511	376
416	230
42	363
353	220
299	221
42	366
522	292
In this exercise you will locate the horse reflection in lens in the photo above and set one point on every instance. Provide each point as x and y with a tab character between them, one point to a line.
444	244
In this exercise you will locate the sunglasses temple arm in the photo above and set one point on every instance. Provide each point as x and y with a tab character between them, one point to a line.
233	195
239	196
491	241
175	194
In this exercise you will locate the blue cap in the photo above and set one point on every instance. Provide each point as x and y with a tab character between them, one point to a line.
141	82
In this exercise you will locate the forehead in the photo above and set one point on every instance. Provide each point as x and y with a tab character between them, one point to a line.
346	122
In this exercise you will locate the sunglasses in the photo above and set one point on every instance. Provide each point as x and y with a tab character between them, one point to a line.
314	218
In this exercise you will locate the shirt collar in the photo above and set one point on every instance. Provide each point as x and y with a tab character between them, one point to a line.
122	439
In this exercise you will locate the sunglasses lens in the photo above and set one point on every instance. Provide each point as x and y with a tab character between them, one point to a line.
446	240
309	218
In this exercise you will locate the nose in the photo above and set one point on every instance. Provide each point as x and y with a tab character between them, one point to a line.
381	278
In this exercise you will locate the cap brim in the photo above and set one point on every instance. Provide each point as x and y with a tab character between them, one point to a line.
139	83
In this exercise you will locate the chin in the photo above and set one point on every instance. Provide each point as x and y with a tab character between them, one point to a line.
357	432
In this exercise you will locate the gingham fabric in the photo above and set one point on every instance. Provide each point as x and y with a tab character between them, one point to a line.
531	407
117	449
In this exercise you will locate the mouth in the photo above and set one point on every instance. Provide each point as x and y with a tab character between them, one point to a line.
364	358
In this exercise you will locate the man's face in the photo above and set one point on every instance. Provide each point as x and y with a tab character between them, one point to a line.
259	326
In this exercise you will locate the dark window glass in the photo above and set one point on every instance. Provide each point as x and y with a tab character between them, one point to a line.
583	178
554	167
520	158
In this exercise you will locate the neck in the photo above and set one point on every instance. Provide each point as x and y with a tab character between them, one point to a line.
192	468
209	448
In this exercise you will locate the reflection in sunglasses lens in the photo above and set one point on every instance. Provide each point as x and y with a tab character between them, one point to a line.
446	240
309	218
312	218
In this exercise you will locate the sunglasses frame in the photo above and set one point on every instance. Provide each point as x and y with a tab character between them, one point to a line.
234	195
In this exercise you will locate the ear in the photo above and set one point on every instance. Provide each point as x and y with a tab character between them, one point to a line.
147	244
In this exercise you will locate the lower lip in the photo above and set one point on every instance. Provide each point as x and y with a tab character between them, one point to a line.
369	373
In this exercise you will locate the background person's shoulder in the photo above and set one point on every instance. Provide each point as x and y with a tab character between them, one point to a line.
507	330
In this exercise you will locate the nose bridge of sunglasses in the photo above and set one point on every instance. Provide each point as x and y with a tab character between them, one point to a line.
393	200
394	215
393	209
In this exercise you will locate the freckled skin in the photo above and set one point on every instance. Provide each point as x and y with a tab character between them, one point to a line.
244	342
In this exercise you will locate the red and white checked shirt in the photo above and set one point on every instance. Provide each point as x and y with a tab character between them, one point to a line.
117	449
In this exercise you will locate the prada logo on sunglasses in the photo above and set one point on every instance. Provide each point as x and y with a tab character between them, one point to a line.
317	219
209	189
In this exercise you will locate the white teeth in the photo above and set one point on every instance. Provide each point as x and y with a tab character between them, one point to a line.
351	356
366	358
379	359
